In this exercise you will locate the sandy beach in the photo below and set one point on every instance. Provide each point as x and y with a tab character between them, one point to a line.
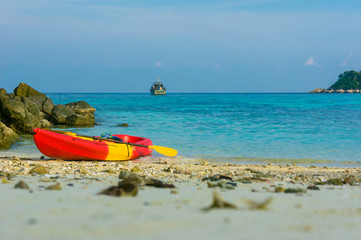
189	200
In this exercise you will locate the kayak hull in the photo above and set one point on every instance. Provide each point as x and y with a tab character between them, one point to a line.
72	147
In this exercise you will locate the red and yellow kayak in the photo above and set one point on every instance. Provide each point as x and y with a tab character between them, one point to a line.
69	146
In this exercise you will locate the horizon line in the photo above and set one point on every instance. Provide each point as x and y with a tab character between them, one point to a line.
180	92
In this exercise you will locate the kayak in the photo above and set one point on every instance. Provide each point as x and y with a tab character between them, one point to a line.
69	146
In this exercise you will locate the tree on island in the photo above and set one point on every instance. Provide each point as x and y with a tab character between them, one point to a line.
348	80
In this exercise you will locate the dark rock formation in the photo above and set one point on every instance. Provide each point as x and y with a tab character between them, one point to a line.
60	113
63	115
82	108
45	123
45	104
7	136
27	108
79	121
20	114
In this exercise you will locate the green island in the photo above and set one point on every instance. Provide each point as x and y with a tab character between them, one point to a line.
348	82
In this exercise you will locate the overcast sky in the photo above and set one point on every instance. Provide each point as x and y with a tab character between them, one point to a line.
208	46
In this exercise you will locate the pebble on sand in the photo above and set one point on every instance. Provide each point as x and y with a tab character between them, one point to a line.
263	205
22	185
54	187
125	188
219	202
39	169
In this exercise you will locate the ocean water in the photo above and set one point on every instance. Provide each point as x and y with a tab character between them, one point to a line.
284	127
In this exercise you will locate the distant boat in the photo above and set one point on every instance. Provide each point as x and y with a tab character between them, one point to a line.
157	88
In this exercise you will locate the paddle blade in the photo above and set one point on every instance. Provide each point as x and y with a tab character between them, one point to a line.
170	152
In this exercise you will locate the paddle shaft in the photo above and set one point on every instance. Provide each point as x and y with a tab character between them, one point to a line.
112	140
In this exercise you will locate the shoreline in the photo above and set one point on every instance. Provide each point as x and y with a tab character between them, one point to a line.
160	165
209	201
232	160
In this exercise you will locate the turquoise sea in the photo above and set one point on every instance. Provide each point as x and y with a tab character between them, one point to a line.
252	127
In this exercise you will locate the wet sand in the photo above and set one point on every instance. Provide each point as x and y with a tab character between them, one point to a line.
209	201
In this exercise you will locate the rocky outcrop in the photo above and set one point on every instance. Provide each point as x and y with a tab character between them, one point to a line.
24	109
20	114
7	136
324	90
64	115
60	113
27	108
347	82
79	121
82	108
44	103
317	90
2	91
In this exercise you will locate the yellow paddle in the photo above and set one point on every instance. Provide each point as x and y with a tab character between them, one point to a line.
170	152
